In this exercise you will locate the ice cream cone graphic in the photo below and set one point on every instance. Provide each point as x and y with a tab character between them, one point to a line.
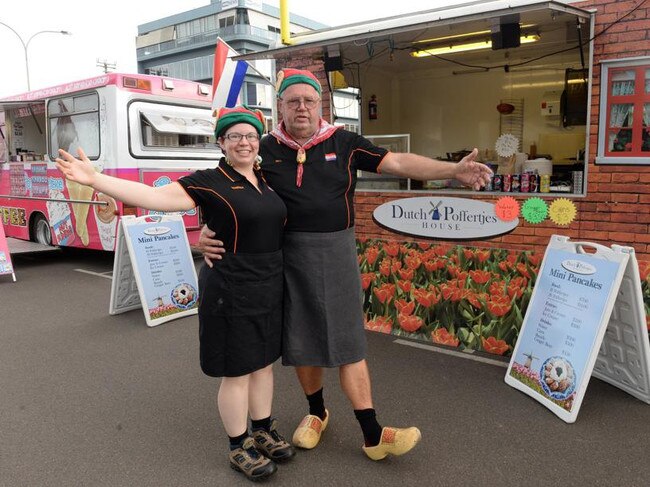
106	219
80	192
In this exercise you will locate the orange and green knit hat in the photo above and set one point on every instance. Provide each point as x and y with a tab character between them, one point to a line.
290	76
227	117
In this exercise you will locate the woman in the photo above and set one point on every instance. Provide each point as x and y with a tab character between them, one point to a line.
240	311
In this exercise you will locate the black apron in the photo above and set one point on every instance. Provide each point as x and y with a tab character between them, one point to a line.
240	313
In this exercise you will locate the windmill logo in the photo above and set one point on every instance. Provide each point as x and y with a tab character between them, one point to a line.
435	214
529	360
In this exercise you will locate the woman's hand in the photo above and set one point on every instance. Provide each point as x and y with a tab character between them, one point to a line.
78	170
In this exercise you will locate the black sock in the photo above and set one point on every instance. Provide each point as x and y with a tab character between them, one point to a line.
316	403
369	425
237	441
261	424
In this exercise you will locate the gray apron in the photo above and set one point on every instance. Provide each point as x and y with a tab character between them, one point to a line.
323	315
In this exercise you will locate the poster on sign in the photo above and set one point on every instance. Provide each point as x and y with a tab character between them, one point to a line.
576	291
5	257
154	269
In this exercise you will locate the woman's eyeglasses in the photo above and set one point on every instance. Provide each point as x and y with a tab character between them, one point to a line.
235	137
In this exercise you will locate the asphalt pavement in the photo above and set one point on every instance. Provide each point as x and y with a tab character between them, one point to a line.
89	399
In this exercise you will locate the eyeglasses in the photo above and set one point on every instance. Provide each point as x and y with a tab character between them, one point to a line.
235	137
310	103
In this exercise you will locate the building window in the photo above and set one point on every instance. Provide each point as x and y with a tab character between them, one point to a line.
624	124
226	21
251	94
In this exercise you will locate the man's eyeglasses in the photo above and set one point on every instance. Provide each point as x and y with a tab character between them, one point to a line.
310	103
235	137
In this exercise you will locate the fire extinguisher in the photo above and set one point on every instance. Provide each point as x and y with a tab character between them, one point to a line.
372	107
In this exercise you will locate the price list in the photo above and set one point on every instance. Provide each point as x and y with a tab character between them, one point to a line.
164	264
564	325
563	321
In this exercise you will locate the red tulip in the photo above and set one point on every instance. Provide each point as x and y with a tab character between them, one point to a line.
499	305
366	279
480	277
391	248
371	254
410	323
384	293
443	337
404	307
406	275
482	255
492	345
426	298
382	324
405	285
521	268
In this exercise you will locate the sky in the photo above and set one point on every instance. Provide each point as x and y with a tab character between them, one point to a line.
106	30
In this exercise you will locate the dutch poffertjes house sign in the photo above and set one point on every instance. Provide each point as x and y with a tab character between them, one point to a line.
442	218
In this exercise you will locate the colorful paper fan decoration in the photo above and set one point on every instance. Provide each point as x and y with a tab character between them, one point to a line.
534	210
507	145
562	211
506	208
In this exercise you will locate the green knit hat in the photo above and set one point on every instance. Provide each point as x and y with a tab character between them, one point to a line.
290	76
227	117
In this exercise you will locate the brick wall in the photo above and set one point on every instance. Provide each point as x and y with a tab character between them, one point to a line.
617	208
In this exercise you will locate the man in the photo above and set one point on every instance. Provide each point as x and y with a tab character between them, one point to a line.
312	166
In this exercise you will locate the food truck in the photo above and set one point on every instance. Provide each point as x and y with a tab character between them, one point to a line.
556	97
143	128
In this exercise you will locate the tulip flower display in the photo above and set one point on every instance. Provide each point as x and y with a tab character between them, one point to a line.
452	295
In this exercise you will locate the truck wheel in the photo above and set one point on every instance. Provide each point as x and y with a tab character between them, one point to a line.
41	231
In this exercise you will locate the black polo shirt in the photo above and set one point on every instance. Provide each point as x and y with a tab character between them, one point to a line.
245	219
324	201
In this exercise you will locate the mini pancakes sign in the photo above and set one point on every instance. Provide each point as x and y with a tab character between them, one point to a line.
442	218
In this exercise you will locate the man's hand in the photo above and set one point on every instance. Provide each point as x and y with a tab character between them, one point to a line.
210	247
472	173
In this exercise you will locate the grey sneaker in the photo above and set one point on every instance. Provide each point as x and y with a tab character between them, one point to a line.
247	460
272	444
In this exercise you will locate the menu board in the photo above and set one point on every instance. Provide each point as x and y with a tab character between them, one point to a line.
5	257
564	325
159	260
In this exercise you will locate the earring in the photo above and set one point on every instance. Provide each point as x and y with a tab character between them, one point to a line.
258	161
228	161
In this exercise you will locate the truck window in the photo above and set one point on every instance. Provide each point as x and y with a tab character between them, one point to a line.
174	127
73	122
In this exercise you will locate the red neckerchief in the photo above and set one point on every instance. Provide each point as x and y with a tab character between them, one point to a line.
324	132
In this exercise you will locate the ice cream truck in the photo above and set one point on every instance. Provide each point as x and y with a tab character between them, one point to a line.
143	128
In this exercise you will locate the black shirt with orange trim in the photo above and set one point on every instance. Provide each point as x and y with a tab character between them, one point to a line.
245	219
324	200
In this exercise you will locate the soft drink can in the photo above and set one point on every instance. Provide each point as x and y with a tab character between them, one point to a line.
497	182
524	183
507	183
545	183
533	183
488	185
515	185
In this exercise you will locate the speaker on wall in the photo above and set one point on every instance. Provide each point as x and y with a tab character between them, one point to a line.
506	36
333	63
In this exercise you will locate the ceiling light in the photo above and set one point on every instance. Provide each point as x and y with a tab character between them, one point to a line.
470	46
461	36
